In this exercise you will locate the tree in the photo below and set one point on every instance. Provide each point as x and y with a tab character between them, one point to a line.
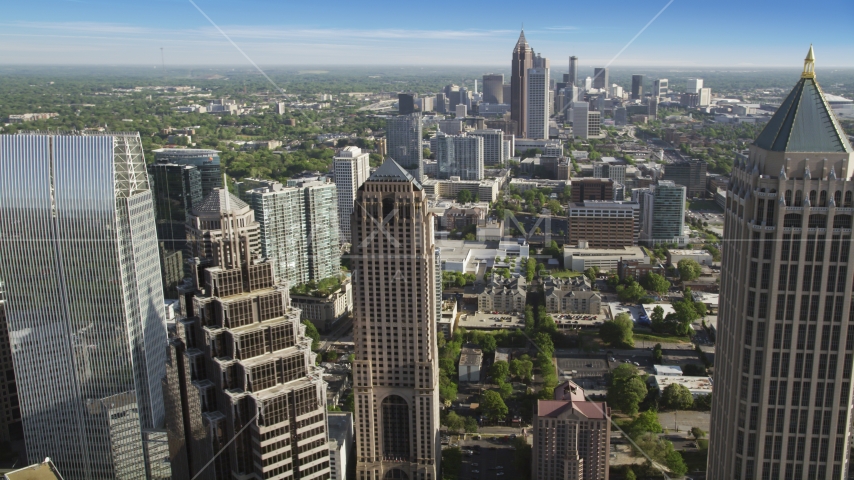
447	388
703	403
693	370
330	355
697	433
656	283
464	196
646	422
454	422
675	463
630	292
521	369
618	332
471	425
544	343
499	371
312	333
688	269
627	389
350	403
530	269
591	274
452	462
492	406
657	354
630	474
505	390
487	343
427	153
677	397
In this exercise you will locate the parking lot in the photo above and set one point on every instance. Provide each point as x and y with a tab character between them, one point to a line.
484	320
571	320
491	459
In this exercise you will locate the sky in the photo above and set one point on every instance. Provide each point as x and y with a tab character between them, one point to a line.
687	33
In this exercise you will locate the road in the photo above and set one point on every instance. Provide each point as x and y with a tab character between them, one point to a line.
340	330
495	461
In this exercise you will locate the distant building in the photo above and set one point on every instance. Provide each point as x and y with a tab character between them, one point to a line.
702	257
662	212
45	470
581	257
493	88
620	118
705	97
470	362
406	103
690	100
447	322
610	170
690	174
10	419
461	110
603	224
503	295
207	161
694	85
660	87
404	142
600	78
571	437
653	107
637	87
571	295
637	269
459	156
538	103
483	190
580	119
351	167
523	60
592	189
573	70
341	433
493	146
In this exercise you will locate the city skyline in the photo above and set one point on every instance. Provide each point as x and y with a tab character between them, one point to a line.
85	33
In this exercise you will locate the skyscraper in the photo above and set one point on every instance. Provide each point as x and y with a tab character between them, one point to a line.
694	85
600	78
244	396
493	146
493	88
351	168
404	142
573	70
782	396
538	102
660	87
523	60
84	300
662	212
406	103
459	156
580	119
207	161
395	371
10	420
637	87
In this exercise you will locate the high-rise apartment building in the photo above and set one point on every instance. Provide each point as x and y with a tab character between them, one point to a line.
610	170
662	212
538	102
580	119
404	142
207	161
637	87
84	301
691	174
493	146
603	224
298	229
523	60
395	371
600	78
573	71
244	397
459	156
493	88
782	396
694	85
351	168
660	87
571	437
705	97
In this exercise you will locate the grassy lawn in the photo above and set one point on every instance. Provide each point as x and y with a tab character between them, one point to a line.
704	206
658	337
565	274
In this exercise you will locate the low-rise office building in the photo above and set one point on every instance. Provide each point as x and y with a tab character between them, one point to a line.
700	256
448	320
324	311
581	257
470	361
603	224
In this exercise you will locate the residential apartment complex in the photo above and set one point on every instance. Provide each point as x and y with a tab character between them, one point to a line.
571	295
351	168
504	295
662	212
403	134
538	102
459	156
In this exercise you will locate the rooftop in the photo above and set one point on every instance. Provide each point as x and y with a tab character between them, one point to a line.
471	356
391	171
220	201
553	408
696	385
339	424
40	471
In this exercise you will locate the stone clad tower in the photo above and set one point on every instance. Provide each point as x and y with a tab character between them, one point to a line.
396	371
782	395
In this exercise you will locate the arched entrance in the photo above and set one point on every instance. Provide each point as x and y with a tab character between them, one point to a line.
395	429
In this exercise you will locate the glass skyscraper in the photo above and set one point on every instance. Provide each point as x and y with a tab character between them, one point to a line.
207	161
84	301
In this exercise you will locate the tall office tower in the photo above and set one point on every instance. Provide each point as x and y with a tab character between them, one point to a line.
691	174
84	300
404	142
493	145
523	60
580	118
637	87
620	117
207	161
11	427
461	110
600	78
465	98
396	370
350	168
459	156
571	437
493	88
241	385
705	97
660	87
782	396
538	102
652	109
508	91
662	212
441	104
594	123
406	103
573	70
298	229
588	83
694	85
603	224
453	99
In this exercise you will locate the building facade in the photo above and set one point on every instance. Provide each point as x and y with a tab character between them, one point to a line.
584	189
603	224
523	60
11	427
340	443
459	156
324	311
573	71
351	168
404	142
493	146
782	396
493	88
637	87
207	161
617	173
538	103
571	295
691	174
503	295
571	437
86	290
662	212
395	371
600	78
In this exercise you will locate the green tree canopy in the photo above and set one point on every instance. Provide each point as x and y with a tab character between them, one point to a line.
627	389
677	397
646	422
487	343
630	292
656	283
312	333
521	369
499	371
618	332
454	422
505	390
464	196
689	269
471	425
492	406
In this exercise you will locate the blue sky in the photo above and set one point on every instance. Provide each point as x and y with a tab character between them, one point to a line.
689	33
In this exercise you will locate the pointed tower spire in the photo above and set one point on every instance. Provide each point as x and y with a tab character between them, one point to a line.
809	65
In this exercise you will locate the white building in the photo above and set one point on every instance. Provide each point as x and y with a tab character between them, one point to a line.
538	103
660	87
493	145
451	126
609	169
580	111
461	110
579	258
696	385
470	361
694	85
340	427
700	256
350	169
705	97
459	156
